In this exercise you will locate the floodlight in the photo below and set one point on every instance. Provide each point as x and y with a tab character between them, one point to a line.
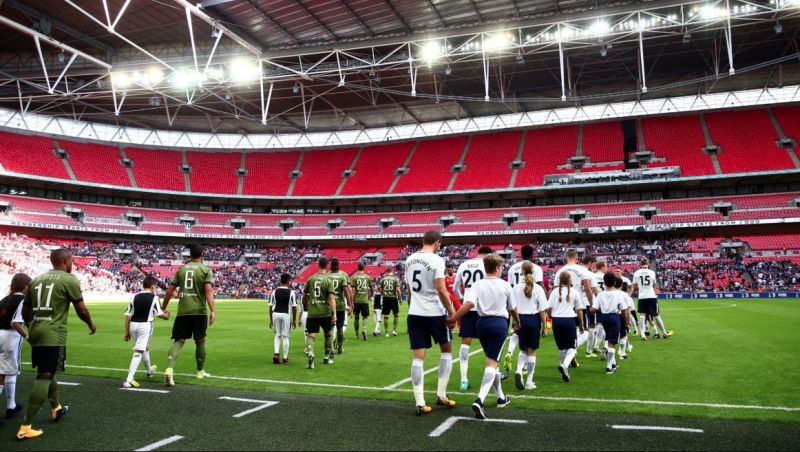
431	50
242	70
599	28
121	80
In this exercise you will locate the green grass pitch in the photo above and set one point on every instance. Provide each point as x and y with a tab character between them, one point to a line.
730	361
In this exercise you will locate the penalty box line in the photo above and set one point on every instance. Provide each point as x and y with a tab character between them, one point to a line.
730	406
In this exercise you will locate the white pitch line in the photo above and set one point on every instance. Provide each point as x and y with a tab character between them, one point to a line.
68	383
157	391
161	443
656	428
517	396
429	371
451	421
732	305
262	404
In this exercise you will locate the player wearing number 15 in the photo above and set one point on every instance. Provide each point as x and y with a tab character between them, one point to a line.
196	311
45	310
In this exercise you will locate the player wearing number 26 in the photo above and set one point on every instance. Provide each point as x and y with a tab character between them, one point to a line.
196	310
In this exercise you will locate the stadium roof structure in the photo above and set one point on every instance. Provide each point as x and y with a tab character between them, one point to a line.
302	66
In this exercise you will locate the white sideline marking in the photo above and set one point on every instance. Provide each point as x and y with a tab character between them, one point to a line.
451	421
429	371
723	305
656	428
730	406
68	383
157	391
263	404
161	443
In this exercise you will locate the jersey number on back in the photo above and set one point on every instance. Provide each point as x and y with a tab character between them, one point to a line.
317	291
361	285
416	282
188	280
471	277
49	289
644	280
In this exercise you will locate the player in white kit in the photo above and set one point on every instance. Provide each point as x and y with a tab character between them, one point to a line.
139	326
12	334
644	280
516	277
468	273
581	283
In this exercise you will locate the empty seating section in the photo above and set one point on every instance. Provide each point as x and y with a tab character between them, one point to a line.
119	226
214	172
25	204
473	227
789	119
487	163
680	140
302	231
45	219
100	211
603	142
345	254
163	227
419	217
544	150
771	241
762	201
392	253
157	169
263	231
262	220
704	244
220	230
430	167
687	218
322	171
160	216
412	229
765	214
543	224
364	219
269	173
96	163
480	216
30	155
375	168
747	139
357	230
611	221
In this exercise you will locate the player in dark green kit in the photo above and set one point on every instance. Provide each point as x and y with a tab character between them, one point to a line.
320	303
196	310
45	311
361	285
390	289
340	284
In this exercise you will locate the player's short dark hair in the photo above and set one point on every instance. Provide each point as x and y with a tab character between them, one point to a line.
149	281
527	252
572	253
59	256
644	262
588	259
323	263
361	266
600	265
334	264
492	262
610	280
625	286
19	283
431	237
619	283
485	250
285	278
195	251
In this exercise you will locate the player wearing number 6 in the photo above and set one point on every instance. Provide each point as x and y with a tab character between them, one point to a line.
196	311
45	311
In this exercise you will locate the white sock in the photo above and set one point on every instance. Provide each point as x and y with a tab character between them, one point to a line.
530	363
561	355
487	383
285	348
513	343
146	360
641	326
1	389
611	358
498	385
599	336
11	391
660	324
377	316
463	361
568	356
277	343
590	342
623	346
521	361
445	367
137	358
418	381
582	338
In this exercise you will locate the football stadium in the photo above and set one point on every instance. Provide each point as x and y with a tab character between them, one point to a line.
399	224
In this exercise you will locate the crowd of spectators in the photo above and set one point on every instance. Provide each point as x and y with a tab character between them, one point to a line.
770	276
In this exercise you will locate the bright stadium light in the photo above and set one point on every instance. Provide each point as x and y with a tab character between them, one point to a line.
186	78
431	51
243	70
709	12
154	76
121	80
599	28
497	41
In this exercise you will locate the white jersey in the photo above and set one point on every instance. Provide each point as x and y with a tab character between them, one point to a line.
422	271
533	305
468	273
611	302
645	279
629	300
515	274
566	305
493	297
579	275
598	282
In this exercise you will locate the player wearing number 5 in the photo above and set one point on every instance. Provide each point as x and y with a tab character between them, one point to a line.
468	274
196	311
45	311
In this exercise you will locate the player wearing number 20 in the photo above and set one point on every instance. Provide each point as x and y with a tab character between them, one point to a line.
467	275
45	310
196	310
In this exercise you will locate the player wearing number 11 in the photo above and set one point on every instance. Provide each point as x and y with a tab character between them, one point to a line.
45	311
196	310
